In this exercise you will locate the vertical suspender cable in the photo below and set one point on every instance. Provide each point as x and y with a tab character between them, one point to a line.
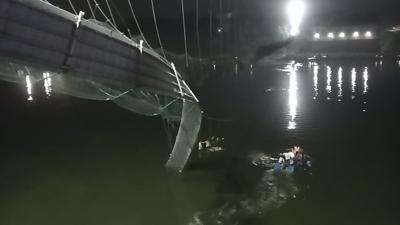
91	9
96	6
211	26
220	13
112	16
211	16
119	15
137	23
197	29
105	16
184	33
168	132
72	6
220	27
158	33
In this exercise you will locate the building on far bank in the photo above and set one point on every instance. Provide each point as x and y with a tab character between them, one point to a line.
339	41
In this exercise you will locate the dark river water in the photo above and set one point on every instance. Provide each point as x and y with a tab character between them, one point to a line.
68	161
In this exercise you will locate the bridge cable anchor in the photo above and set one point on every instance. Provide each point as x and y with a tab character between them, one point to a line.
141	47
79	18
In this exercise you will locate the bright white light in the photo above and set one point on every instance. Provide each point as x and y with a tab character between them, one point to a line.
331	35
368	34
317	36
295	11
356	34
342	35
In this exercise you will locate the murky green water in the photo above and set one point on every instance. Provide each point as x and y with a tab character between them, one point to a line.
70	161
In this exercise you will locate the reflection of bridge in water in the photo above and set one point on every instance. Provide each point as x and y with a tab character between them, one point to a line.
94	60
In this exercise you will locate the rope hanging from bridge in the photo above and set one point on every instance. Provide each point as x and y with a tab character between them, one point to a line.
158	33
137	23
184	33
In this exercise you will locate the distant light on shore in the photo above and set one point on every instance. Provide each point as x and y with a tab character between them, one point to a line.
368	34
342	35
295	11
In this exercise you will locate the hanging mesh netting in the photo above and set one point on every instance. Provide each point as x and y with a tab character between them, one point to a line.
92	60
137	100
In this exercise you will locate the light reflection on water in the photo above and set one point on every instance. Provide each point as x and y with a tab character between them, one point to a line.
31	80
341	72
365	77
293	101
29	87
340	84
47	83
357	76
315	79
328	81
353	82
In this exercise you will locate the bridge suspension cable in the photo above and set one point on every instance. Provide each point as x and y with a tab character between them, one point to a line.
197	30
211	25
91	9
184	33
73	7
137	23
105	16
158	33
121	18
112	16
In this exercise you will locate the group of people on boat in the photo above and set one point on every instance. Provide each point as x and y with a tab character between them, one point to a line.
293	159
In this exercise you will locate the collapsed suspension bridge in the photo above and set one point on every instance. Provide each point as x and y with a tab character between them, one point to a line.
90	59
